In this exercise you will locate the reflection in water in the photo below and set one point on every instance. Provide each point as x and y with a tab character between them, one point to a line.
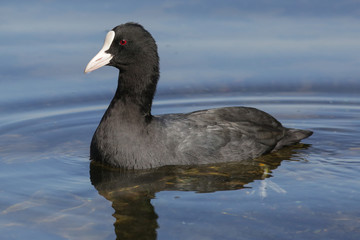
131	191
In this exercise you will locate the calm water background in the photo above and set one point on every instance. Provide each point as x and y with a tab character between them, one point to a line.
298	61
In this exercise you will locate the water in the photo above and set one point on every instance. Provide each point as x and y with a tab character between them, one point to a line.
49	189
298	61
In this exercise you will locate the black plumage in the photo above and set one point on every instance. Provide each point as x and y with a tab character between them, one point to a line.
129	136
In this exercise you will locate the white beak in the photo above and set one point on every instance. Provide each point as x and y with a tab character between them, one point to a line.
102	58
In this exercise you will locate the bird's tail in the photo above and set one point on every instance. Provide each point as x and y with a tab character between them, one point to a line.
292	136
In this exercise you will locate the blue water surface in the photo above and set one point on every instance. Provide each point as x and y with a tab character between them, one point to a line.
295	60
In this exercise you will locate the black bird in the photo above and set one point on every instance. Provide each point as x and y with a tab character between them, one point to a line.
130	137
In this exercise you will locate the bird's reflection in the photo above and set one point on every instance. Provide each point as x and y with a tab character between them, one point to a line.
131	191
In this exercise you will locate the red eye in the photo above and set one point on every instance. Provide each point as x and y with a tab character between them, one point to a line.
123	42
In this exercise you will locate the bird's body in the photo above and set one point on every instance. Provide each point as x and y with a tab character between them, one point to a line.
128	136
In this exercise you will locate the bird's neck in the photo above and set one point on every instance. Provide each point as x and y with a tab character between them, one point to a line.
136	89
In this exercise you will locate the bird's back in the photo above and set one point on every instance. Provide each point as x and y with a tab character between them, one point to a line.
224	134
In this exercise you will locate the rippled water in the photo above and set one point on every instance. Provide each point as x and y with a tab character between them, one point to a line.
49	189
303	55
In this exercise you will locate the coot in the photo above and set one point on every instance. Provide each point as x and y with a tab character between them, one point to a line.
130	137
